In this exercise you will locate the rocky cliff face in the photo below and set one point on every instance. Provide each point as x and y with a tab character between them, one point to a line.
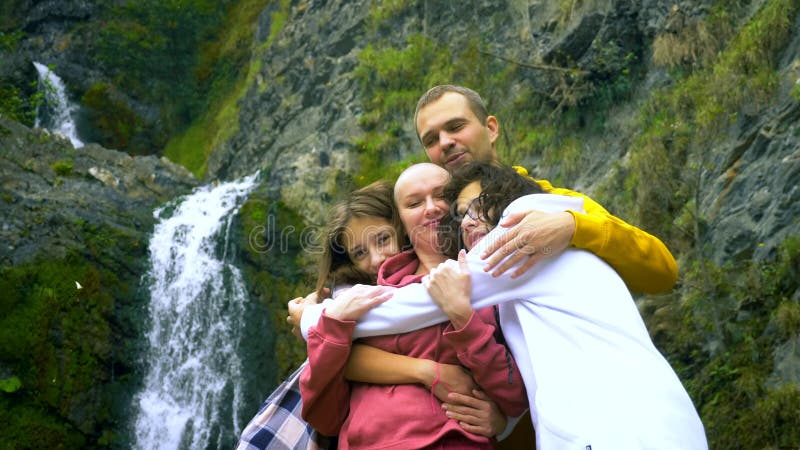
74	230
51	190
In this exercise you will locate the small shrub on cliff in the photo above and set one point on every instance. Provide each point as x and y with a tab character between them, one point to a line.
11	384
62	167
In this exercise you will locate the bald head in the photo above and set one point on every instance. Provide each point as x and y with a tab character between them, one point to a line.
416	174
418	194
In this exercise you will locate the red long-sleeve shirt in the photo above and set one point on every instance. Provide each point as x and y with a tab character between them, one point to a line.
368	416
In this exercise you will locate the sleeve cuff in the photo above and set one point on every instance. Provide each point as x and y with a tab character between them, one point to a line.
589	232
334	331
469	334
310	317
511	423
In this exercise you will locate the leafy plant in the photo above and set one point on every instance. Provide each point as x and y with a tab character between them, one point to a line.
63	167
9	385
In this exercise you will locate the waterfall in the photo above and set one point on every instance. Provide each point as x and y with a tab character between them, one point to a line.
197	303
59	111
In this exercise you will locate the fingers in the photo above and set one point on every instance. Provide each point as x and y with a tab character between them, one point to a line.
497	248
460	400
380	299
461	417
479	394
476	429
462	261
295	312
529	263
475	418
512	219
510	262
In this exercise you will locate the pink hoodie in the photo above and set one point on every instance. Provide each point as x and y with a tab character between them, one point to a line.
370	416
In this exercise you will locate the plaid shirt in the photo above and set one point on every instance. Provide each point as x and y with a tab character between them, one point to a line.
279	425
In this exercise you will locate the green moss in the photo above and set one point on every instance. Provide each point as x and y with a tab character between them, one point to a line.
113	121
9	40
220	68
12	384
382	13
63	167
27	426
16	105
278	248
67	332
278	20
57	338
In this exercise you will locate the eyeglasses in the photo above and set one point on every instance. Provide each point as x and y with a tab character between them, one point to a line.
473	210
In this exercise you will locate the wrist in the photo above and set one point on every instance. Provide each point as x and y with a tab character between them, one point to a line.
459	319
333	312
426	372
570	226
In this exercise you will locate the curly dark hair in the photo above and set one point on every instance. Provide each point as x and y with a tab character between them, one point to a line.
499	185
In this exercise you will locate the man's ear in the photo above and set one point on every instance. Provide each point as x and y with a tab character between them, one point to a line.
494	128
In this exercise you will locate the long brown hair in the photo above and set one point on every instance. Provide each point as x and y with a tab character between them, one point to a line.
335	266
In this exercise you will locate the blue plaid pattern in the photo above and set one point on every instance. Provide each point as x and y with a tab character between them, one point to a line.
279	425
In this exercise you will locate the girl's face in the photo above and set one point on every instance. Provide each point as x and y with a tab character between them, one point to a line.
473	226
369	241
421	205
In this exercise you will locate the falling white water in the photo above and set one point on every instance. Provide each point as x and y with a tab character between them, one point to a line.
60	110
197	305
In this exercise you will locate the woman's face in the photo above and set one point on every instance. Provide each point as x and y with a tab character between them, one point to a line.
369	241
418	194
473	226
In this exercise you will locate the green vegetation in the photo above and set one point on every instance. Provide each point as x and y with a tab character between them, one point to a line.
719	331
393	75
63	167
680	123
68	341
278	247
16	104
721	327
112	119
9	41
221	62
12	384
184	55
57	340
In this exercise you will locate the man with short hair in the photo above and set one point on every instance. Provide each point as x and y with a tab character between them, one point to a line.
454	127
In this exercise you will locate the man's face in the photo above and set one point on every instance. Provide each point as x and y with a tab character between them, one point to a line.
452	135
